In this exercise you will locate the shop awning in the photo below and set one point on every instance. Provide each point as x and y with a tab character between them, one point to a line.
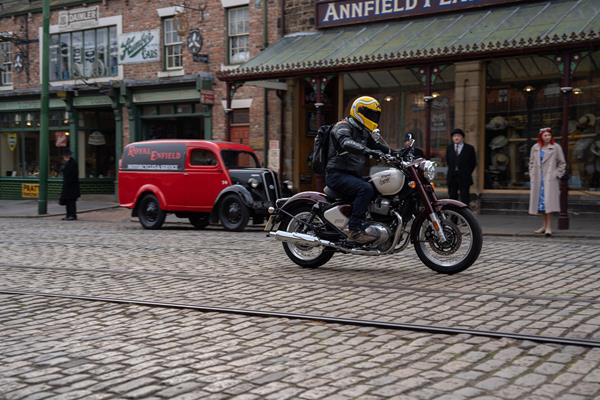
525	26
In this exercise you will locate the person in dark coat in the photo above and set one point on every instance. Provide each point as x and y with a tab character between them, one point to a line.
462	161
70	189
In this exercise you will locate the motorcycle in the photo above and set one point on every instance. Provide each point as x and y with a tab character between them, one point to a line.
445	233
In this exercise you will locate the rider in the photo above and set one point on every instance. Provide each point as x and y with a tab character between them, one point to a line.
353	145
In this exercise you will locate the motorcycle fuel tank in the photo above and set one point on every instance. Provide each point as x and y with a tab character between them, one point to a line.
388	182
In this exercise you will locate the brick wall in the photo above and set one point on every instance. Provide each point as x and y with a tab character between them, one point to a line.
142	15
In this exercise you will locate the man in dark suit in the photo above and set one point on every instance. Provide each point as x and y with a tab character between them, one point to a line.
461	160
70	190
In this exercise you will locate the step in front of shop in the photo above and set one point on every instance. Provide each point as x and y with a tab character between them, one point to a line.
519	204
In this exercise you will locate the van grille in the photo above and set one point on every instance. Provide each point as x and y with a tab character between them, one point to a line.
270	180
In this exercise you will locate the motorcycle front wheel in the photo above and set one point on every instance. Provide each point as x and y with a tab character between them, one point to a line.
462	246
303	255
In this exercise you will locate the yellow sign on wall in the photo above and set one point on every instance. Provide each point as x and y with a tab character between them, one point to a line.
12	141
30	190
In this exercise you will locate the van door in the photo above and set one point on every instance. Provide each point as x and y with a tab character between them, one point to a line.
205	178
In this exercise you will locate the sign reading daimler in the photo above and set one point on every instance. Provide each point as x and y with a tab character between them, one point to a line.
347	12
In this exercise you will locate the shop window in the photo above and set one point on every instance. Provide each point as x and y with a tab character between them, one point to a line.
522	96
84	54
238	28
19	153
240	116
6	63
184	108
201	157
584	125
97	129
172	44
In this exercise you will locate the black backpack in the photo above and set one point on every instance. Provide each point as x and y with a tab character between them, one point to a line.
320	153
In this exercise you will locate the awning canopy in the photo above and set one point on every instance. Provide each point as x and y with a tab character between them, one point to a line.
525	26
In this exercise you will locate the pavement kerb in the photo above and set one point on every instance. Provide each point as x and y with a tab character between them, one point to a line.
61	213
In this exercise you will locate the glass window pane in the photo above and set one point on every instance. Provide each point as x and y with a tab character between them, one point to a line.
114	51
89	53
101	48
77	54
202	157
65	50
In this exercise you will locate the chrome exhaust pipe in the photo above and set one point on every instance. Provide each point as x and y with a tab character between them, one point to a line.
301	239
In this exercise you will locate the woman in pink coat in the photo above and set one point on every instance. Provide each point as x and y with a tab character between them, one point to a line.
546	166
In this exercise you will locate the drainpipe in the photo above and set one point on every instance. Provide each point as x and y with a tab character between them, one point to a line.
281	95
265	90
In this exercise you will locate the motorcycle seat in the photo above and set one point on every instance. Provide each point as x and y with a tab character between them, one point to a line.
332	194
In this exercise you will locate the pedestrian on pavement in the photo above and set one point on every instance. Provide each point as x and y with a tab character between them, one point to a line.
70	189
462	161
546	166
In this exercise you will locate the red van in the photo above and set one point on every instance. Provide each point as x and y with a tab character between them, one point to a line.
197	179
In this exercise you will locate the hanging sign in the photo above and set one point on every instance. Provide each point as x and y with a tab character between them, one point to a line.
139	47
30	190
78	18
347	12
60	139
12	141
207	96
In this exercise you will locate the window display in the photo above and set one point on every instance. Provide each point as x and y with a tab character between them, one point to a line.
84	54
521	102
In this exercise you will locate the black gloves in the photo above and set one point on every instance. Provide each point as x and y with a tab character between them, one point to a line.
374	153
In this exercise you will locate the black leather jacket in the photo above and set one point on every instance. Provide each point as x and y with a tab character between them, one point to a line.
348	147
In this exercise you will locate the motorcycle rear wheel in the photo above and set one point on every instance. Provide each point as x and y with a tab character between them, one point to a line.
461	229
304	256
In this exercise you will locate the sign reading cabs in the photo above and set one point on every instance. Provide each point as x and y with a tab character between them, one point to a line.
30	190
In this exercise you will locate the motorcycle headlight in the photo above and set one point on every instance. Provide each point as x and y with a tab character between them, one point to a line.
428	168
253	182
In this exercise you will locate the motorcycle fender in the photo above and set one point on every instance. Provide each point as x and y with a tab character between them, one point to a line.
303	198
438	205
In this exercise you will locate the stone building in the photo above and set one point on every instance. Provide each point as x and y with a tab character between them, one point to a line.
124	71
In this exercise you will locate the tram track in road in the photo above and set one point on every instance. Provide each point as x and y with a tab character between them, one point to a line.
431	329
213	277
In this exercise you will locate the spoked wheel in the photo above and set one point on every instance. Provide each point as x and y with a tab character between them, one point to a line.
462	246
305	256
149	212
233	214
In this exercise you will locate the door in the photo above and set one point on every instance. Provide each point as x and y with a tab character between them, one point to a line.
205	178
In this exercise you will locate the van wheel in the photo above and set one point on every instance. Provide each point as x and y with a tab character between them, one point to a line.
149	212
200	221
233	214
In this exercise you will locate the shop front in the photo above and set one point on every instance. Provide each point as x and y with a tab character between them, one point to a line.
498	71
85	128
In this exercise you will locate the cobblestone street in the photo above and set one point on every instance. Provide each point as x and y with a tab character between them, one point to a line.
65	348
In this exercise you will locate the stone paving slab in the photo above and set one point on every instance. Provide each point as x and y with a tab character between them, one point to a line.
56	348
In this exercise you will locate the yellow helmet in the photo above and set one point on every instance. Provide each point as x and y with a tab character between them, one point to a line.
366	110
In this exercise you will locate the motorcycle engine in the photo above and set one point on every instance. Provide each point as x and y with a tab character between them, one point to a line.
380	231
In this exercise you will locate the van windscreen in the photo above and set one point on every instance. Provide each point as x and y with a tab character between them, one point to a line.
235	159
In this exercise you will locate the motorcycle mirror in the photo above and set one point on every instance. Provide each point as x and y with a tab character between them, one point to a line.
376	134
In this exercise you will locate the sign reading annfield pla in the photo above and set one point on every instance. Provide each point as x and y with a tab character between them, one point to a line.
347	12
139	47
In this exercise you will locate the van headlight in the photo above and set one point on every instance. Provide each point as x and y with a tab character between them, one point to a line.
428	168
253	182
